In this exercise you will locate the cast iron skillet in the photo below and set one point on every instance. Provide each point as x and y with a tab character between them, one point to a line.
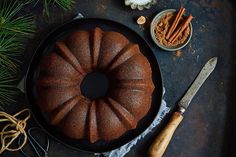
48	44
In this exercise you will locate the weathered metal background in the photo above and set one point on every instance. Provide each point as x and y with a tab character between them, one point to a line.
209	127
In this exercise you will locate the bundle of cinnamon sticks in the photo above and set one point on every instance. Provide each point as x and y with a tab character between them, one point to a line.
177	28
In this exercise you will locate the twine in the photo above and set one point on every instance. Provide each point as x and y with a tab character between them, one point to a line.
13	127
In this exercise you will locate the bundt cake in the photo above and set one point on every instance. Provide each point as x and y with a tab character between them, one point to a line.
107	118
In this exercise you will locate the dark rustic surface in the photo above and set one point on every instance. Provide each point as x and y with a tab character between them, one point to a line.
209	127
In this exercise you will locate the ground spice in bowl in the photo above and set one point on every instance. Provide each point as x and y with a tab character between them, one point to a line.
164	25
171	30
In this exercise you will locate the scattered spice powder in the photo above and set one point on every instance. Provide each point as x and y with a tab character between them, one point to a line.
162	28
178	53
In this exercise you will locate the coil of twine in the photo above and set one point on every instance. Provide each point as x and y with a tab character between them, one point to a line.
12	129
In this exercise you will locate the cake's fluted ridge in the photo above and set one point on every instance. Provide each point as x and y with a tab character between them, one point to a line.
97	34
56	82
127	52
138	84
92	123
65	53
124	115
60	112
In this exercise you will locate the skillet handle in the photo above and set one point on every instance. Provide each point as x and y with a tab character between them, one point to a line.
160	144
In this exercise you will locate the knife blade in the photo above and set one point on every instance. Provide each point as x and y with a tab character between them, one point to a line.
160	144
200	79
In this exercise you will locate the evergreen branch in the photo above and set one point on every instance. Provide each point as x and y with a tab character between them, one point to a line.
7	89
14	30
64	4
45	7
9	23
10	48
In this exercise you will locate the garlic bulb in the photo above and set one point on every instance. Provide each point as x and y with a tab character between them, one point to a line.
140	4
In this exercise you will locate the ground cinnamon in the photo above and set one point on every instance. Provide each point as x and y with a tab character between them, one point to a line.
163	27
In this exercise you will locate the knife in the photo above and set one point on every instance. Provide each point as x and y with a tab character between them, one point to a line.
161	142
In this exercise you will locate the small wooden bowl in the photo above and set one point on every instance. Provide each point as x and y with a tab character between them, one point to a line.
155	20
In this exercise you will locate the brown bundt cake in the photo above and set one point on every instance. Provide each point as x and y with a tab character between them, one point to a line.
130	85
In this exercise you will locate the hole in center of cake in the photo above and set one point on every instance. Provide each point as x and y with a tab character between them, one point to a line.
94	85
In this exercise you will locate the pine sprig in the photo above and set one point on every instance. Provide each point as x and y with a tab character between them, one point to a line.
13	32
10	49
7	88
64	4
22	26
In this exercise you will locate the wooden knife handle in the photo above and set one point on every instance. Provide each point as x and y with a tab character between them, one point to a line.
160	144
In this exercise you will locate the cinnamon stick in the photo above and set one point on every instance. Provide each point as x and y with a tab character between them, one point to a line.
181	29
176	22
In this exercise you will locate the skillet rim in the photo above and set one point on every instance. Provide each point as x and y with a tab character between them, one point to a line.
42	43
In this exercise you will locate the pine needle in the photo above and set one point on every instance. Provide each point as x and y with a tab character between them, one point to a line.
10	49
64	4
14	30
7	88
9	23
